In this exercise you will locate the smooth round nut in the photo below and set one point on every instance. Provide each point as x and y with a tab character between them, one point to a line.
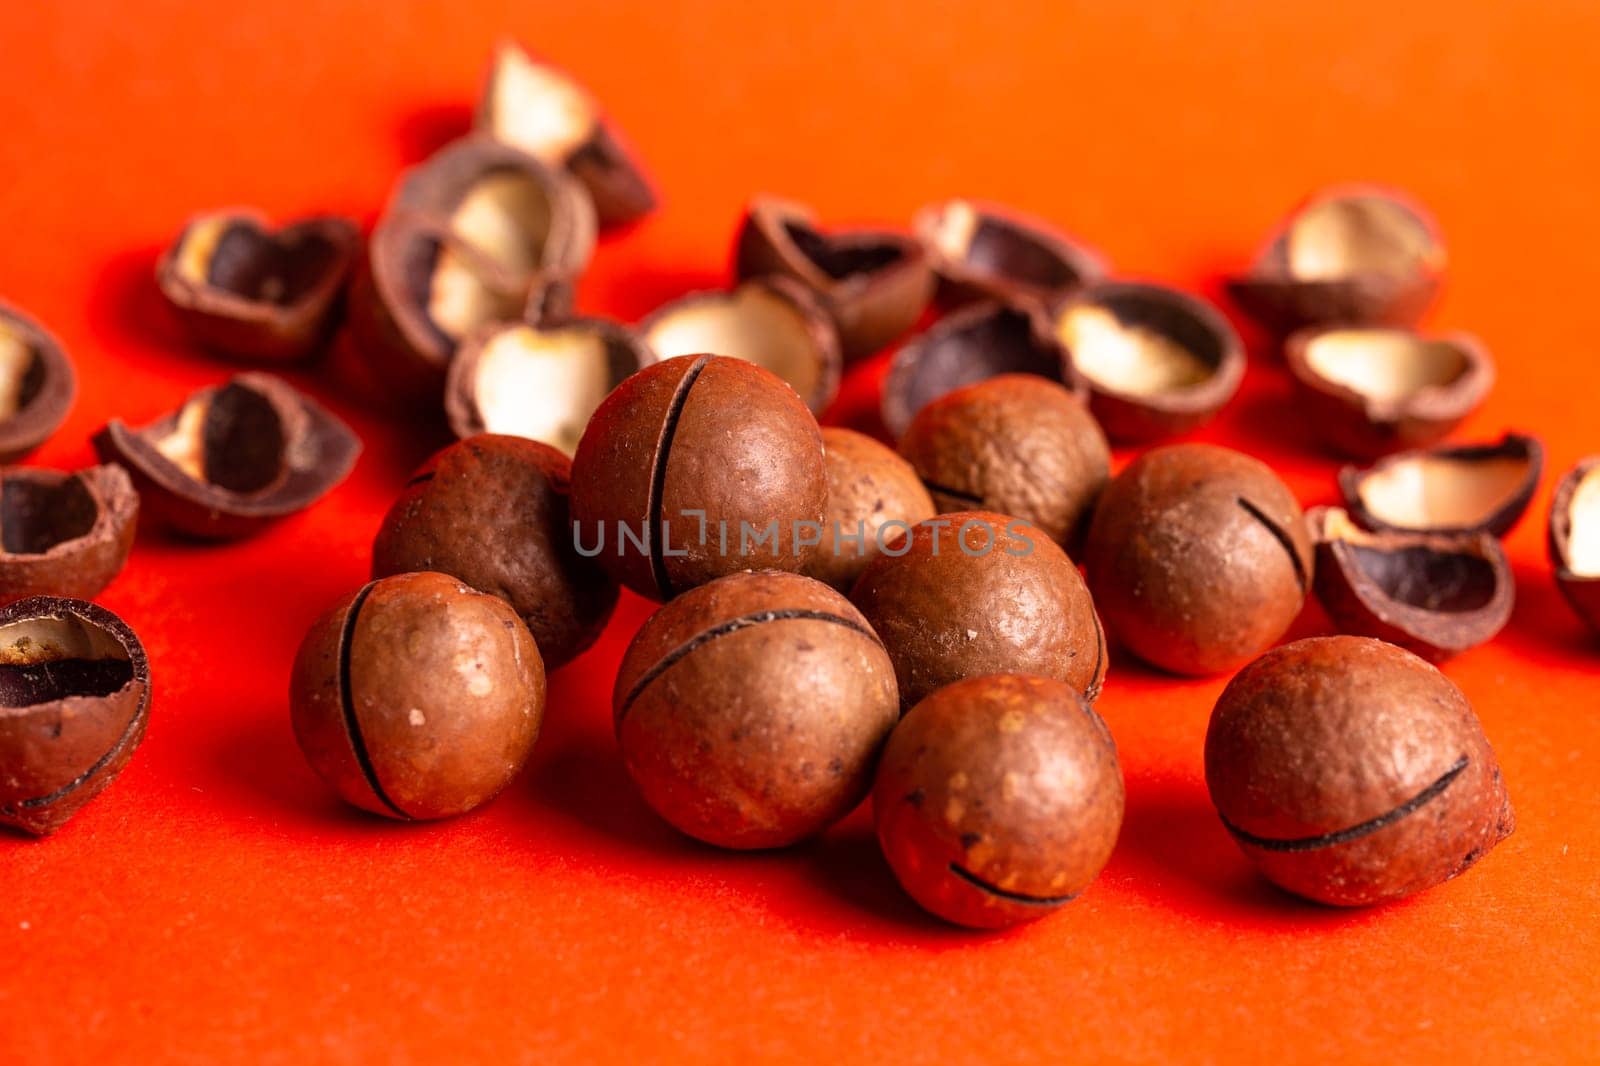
1198	558
977	593
750	710
998	799
869	488
1351	772
417	697
492	511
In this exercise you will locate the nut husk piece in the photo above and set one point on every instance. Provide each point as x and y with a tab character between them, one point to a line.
982	251
998	799
37	384
750	711
869	488
64	534
544	112
1574	539
234	458
1356	255
1157	362
247	291
74	701
1351	772
773	321
875	283
541	382
1370	392
1436	595
968	346
1452	488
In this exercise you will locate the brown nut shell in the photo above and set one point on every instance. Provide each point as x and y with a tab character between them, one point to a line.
998	799
774	322
1157	362
234	458
1574	539
982	251
965	347
249	292
542	382
1435	595
1351	772
1451	488
417	698
874	283
1017	444
1369	392
64	534
1357	255
493	512
869	487
750	710
977	593
1198	558
37	384
541	110
685	457
74	702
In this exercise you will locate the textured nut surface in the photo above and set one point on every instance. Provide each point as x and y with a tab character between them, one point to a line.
868	486
64	534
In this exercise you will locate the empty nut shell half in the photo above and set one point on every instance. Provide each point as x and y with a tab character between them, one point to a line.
982	251
1436	595
37	384
773	322
968	346
1574	538
543	111
1369	392
247	291
539	382
875	284
1350	255
64	534
1157	362
74	701
1453	488
233	458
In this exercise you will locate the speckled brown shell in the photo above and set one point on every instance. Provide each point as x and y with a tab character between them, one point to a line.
64	534
868	485
697	434
750	711
1198	557
998	799
1016	444
492	511
1583	593
417	697
48	389
1351	772
63	741
948	609
1006	256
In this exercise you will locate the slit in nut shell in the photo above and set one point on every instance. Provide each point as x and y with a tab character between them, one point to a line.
1457	488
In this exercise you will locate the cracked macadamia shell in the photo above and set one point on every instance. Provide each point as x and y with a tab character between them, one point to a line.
983	251
998	799
868	486
1017	444
1450	488
417	697
720	454
493	511
64	534
750	711
37	384
978	593
1574	539
1198	557
1351	772
74	702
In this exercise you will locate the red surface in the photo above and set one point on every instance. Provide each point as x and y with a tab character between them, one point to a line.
217	903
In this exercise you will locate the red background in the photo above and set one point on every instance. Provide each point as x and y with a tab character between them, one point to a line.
218	903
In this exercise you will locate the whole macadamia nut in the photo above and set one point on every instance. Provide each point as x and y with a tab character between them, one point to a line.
998	799
1351	772
417	697
492	511
1198	558
873	497
750	710
978	593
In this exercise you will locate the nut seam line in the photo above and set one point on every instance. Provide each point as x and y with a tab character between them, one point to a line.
352	727
658	478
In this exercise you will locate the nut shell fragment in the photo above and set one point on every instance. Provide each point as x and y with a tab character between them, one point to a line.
1452	488
37	384
1574	539
986	252
64	534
